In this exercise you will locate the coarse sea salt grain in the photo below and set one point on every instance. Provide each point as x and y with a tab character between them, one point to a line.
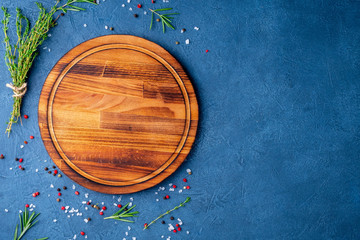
86	208
85	220
170	184
6	210
172	189
54	220
119	199
20	211
130	204
123	5
48	195
162	236
83	202
129	228
171	227
85	25
51	186
188	170
68	216
187	232
74	236
187	41
85	236
196	28
130	9
102	203
131	199
86	195
31	209
21	146
36	170
44	47
10	168
156	193
126	233
49	35
73	186
133	238
124	238
128	1
145	12
106	27
49	50
180	191
157	199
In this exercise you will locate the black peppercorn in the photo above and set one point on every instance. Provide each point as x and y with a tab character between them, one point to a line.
111	29
16	159
54	174
163	222
58	189
62	14
49	172
22	169
158	20
125	209
135	15
64	187
89	219
183	30
46	169
176	42
54	167
58	200
171	218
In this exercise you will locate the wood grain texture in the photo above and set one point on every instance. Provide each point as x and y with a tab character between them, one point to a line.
118	114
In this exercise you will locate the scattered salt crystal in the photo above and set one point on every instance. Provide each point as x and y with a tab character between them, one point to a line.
170	184
123	5
67	207
49	35
119	199
66	211
188	170
85	220
133	238
86	208
129	228
113	196
196	28
156	193
72	215
48	195
162	236
180	191
145	12
54	220
130	9
74	236
52	186
171	227
68	216
128	1
86	195
31	209
168	238
124	238
187	232
97	1
85	236
22	146
44	47
36	170
31	205
130	204
106	27
85	25
172	189
20	211
165	1
126	233
131	199
10	168
49	50
115	204
187	41
102	203
73	186
157	199
34	206
6	210
182	31
180	222
83	202
45	160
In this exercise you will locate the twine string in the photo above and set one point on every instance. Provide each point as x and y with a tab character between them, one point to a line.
19	92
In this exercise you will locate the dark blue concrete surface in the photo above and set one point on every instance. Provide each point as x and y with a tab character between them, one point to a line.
277	154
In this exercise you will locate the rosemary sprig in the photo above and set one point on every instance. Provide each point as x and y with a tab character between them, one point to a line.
26	222
122	214
162	215
20	56
165	18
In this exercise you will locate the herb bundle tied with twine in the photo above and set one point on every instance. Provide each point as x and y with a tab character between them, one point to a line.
20	56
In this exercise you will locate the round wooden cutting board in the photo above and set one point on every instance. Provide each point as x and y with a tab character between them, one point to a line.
118	114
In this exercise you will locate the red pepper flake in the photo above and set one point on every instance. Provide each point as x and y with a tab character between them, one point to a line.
152	1
21	160
139	5
145	225
59	194
206	51
31	137
179	229
103	208
174	186
55	171
174	231
187	187
101	213
167	196
119	206
63	208
25	142
88	203
27	205
185	180
76	192
82	233
2	156
26	116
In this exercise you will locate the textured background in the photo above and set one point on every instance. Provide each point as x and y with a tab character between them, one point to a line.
278	147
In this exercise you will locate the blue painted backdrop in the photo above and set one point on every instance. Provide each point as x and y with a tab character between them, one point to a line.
277	154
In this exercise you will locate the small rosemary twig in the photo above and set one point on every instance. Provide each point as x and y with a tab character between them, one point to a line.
26	222
165	19
162	215
121	214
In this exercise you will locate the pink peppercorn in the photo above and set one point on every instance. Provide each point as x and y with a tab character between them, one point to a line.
101	213
31	137
82	233
187	187
77	193
59	194
103	208
139	5
26	116
185	180
27	205
62	208
55	171
179	229
21	160
174	231
119	206
174	186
